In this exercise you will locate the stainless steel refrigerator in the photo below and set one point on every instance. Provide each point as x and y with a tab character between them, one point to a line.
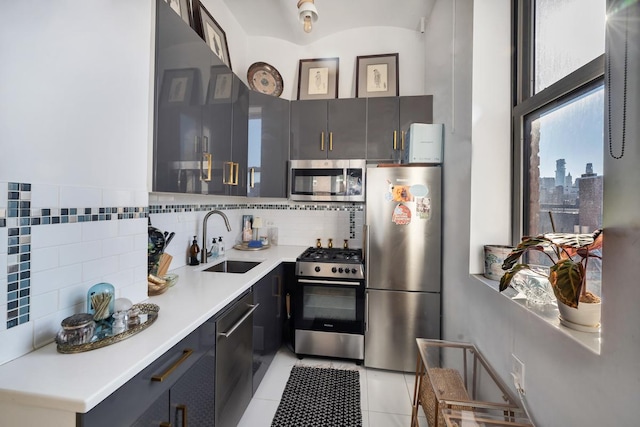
403	263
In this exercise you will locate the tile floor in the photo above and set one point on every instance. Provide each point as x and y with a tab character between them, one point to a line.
386	396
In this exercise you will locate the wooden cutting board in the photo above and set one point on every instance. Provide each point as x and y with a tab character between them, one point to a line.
163	265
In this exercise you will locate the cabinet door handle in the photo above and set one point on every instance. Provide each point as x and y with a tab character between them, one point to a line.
163	424
208	158
224	173
205	144
403	133
185	355
183	409
252	179
277	280
322	141
330	141
395	140
239	322
236	181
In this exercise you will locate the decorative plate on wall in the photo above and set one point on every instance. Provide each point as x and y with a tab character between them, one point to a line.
264	78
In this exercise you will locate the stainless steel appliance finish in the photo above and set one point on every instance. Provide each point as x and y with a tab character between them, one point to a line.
327	180
234	359
329	303
403	263
332	344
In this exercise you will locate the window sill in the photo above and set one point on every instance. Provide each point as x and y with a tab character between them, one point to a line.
548	314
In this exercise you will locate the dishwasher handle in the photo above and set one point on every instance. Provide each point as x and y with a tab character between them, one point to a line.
239	322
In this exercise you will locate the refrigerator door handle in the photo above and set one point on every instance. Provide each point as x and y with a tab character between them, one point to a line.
365	252
366	312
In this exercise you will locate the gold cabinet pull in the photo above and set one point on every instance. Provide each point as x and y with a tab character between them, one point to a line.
252	178
165	424
208	159
395	140
224	173
322	141
183	408
185	355
235	179
403	133
330	141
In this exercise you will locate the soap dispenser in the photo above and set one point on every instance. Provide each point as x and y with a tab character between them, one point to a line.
194	250
214	248
220	246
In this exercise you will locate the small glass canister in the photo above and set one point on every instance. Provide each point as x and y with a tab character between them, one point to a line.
76	329
101	301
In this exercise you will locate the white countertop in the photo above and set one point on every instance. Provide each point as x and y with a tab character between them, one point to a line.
77	382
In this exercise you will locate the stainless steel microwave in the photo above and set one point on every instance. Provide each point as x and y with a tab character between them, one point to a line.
327	180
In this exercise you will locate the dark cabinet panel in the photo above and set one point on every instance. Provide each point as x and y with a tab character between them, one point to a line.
388	120
268	321
138	401
334	129
347	128
383	128
240	138
192	397
182	76
309	137
268	146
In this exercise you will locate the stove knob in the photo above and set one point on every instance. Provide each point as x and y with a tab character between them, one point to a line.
353	271
340	270
333	270
317	269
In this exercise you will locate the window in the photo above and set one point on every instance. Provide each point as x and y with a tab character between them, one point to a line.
558	118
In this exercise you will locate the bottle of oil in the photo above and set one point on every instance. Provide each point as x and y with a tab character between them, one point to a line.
194	250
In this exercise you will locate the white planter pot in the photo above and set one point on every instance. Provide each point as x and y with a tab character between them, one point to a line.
494	256
585	318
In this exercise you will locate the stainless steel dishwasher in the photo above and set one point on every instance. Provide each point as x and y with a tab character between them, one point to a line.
234	358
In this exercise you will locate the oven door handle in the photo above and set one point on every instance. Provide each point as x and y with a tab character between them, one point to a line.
329	282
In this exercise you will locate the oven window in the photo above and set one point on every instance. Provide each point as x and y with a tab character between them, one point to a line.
329	303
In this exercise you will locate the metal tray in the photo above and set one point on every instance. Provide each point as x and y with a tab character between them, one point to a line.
245	247
103	336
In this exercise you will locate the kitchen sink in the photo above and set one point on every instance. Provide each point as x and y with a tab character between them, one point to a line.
232	266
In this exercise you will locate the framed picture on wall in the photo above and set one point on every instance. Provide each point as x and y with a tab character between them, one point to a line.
182	8
318	78
377	75
211	32
177	87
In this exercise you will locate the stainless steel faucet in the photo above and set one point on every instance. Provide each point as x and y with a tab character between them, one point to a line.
204	231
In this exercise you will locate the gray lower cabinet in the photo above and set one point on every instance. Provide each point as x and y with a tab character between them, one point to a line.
388	119
178	386
267	321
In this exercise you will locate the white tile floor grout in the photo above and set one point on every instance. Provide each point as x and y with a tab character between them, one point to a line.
386	396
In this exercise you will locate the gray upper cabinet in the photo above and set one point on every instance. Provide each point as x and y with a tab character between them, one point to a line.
332	129
388	120
268	146
183	64
201	114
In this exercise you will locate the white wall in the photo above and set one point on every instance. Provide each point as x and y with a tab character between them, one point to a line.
491	120
566	384
75	105
347	46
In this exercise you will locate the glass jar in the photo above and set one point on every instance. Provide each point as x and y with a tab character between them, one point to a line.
76	329
101	301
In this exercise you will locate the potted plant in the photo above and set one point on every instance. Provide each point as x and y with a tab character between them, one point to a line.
569	255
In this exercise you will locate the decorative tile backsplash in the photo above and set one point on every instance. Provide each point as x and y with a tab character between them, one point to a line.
19	218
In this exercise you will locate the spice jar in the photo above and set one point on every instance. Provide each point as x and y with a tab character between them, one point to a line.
76	329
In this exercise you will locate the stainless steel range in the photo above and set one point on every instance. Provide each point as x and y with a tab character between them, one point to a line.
328	307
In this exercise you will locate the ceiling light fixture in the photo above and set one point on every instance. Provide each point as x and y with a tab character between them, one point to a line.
308	14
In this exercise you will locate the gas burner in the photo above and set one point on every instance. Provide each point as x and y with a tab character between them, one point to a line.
331	263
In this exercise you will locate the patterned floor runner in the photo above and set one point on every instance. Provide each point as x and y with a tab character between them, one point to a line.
321	397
